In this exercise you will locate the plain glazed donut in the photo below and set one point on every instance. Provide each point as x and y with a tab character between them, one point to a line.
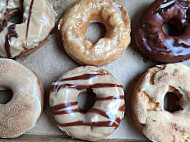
103	118
153	42
18	40
76	21
22	112
149	114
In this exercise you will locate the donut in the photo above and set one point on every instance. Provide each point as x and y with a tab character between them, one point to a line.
100	120
22	112
75	22
153	42
152	119
17	40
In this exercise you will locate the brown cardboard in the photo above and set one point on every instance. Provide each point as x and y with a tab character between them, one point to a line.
50	61
52	138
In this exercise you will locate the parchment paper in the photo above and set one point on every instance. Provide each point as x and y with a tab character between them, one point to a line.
50	61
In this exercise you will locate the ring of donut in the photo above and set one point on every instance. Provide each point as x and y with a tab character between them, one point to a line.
21	39
23	111
153	42
103	118
76	21
149	114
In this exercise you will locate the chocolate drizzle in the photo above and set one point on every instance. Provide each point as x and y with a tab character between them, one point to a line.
68	111
10	33
62	109
108	115
3	24
122	108
55	88
22	5
28	21
63	105
81	77
92	124
110	98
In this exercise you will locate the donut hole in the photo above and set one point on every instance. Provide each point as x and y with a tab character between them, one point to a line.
188	16
188	20
98	28
5	96
86	101
173	27
171	102
16	18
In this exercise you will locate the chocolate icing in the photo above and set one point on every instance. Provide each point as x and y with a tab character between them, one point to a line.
122	108
55	109
92	124
110	98
81	77
21	5
55	88
153	42
68	111
28	21
63	105
10	33
105	114
10	30
3	23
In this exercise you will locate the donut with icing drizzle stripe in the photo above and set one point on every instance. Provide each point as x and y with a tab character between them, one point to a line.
23	38
106	114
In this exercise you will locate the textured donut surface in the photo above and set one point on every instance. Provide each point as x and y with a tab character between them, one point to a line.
37	23
103	118
75	22
151	39
151	118
22	112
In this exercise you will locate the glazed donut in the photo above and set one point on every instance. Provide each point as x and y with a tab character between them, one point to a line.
22	112
18	40
158	124
75	22
153	42
103	118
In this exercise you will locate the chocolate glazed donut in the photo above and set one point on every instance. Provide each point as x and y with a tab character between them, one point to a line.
153	42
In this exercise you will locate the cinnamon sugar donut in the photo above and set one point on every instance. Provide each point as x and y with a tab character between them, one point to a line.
17	40
75	22
149	114
22	112
103	118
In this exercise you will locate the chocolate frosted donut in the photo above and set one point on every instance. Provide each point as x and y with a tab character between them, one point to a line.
38	20
153	42
106	114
